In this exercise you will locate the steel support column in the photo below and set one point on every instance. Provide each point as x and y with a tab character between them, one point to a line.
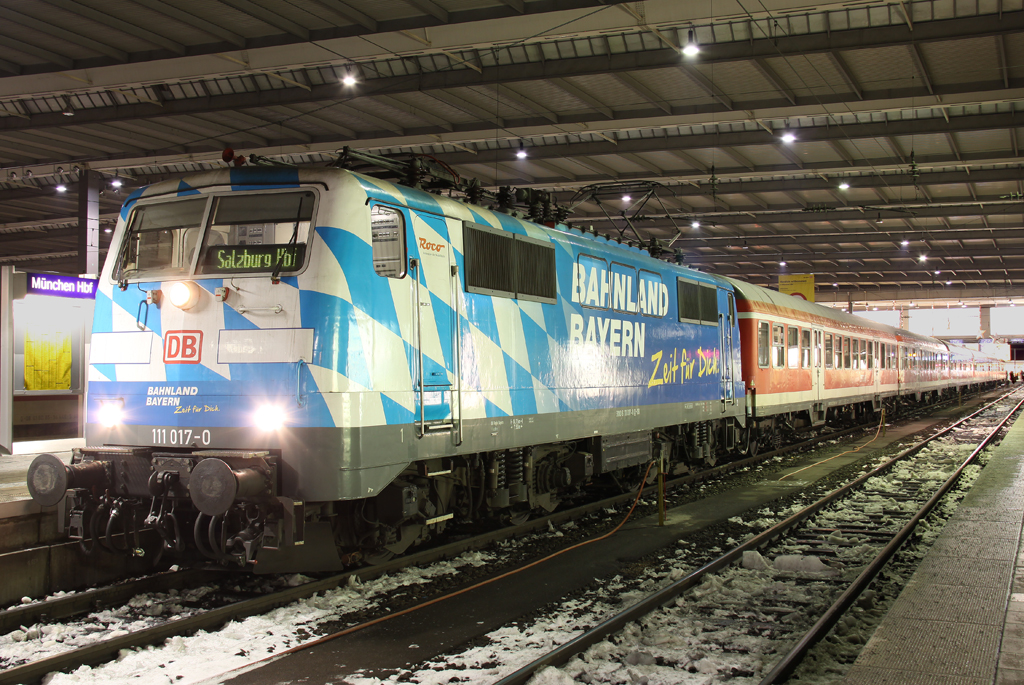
6	359
88	223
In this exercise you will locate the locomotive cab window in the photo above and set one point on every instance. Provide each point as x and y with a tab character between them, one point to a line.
161	239
763	344
257	232
387	234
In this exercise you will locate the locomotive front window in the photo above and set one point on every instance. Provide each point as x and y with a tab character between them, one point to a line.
257	233
161	239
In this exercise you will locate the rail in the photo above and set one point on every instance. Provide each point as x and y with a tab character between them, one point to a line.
562	654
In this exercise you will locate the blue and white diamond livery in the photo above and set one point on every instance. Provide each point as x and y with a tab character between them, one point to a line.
371	373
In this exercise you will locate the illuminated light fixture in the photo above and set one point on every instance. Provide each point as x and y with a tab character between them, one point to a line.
67	111
111	413
61	188
1012	303
522	151
696	224
904	243
844	186
691	49
108	229
911	304
183	294
923	258
835	285
626	198
788	138
348	79
963	305
879	219
874	309
937	272
269	418
116	183
782	263
949	282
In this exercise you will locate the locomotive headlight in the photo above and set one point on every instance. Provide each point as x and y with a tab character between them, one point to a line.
269	418
183	294
111	413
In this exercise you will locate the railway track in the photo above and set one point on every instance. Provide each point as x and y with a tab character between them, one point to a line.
821	551
220	613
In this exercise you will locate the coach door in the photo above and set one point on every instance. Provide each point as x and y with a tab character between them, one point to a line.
817	361
725	326
436	372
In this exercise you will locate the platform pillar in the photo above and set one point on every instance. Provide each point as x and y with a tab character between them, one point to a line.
88	223
6	359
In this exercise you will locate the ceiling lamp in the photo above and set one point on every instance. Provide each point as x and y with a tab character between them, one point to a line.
348	79
116	183
923	258
696	224
788	138
904	243
522	151
782	263
844	186
691	48
67	111
62	188
625	198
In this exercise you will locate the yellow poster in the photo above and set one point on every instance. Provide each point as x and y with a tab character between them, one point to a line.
47	360
797	285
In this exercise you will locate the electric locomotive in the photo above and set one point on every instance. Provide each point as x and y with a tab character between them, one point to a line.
299	369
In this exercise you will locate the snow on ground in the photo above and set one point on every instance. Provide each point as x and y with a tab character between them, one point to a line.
206	655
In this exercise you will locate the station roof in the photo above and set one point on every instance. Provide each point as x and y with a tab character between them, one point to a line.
903	177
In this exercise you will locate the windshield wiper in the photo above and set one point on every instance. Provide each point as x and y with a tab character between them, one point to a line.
276	276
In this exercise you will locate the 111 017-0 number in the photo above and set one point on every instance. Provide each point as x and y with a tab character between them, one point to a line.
180	436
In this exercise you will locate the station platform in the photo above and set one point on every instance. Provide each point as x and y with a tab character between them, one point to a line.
960	619
14	467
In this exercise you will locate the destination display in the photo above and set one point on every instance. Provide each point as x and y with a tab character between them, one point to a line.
244	258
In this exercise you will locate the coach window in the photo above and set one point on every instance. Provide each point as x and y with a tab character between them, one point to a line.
779	345
856	353
817	349
763	344
387	228
846	353
794	347
805	348
881	356
864	354
828	351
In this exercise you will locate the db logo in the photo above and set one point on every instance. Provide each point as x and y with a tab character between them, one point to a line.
430	247
183	347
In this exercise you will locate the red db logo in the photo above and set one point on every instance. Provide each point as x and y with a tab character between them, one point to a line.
183	347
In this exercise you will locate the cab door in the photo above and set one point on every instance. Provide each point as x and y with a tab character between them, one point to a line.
432	266
726	322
